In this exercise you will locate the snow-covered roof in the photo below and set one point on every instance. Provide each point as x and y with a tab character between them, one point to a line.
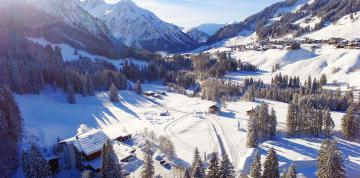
89	142
122	152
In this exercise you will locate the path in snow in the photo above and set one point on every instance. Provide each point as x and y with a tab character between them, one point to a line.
169	134
234	150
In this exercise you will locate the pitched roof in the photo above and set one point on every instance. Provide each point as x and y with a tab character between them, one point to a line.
90	142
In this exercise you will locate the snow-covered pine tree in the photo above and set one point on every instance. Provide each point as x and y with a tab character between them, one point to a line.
350	123
291	172
214	169
138	88
110	163
271	165
272	124
187	173
198	171
113	94
71	94
256	166
329	162
226	168
35	164
263	119
196	158
10	132
148	170
291	120
252	133
328	123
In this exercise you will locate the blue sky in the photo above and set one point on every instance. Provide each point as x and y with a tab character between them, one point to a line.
190	13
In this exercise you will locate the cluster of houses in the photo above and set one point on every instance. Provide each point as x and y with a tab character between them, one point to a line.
290	44
84	151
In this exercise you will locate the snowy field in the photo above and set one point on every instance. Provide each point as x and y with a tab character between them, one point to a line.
187	124
342	66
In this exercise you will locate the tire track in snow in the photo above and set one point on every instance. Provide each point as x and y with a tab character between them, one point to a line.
230	144
169	134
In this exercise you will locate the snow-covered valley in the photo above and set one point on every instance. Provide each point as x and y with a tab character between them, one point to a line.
48	116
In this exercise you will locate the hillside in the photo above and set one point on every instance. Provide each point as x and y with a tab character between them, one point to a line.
282	19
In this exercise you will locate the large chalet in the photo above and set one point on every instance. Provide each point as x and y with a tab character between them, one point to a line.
84	151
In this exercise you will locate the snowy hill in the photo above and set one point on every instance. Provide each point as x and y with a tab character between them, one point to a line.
292	18
346	27
340	65
138	27
209	28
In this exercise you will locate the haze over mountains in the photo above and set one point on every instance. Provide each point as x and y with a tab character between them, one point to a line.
123	25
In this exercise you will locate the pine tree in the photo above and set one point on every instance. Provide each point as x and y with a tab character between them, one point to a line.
199	171
328	123
323	80
35	165
10	132
187	173
272	124
113	94
329	162
71	94
138	88
291	172
252	134
350	123
291	120
256	167
214	168
110	163
196	158
271	165
226	168
148	170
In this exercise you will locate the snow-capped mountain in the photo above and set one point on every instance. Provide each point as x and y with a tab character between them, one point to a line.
197	35
60	23
72	14
209	28
138	27
291	18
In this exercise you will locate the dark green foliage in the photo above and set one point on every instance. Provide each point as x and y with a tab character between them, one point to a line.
256	166
329	161
350	124
34	164
271	165
148	170
214	167
226	168
10	132
110	166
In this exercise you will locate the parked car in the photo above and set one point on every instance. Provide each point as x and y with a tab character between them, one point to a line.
167	165
162	162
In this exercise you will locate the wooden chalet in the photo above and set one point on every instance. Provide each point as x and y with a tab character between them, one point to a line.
85	149
214	109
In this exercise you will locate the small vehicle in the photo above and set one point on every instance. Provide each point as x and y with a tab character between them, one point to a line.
158	158
162	162
167	165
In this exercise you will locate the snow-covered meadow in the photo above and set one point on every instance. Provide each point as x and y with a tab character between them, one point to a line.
188	125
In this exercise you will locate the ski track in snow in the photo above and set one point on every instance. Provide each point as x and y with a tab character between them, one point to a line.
231	146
